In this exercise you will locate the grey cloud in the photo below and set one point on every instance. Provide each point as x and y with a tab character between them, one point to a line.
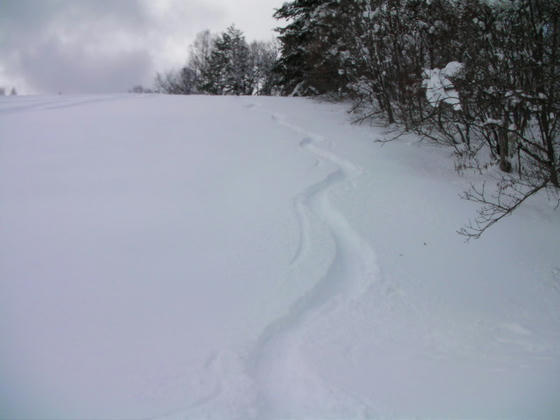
52	67
24	21
92	45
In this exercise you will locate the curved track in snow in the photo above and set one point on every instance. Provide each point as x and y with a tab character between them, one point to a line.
274	379
285	382
210	258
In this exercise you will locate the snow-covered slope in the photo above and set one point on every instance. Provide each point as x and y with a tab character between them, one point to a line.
238	257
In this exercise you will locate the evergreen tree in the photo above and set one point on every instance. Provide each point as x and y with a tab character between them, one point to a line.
228	70
311	47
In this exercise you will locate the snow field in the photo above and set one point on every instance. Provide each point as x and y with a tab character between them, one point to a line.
198	257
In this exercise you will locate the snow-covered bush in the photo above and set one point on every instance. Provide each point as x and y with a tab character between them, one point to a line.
440	88
482	76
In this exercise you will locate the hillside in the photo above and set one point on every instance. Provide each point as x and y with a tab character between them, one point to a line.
189	257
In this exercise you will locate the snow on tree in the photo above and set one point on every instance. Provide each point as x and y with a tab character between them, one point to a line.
440	88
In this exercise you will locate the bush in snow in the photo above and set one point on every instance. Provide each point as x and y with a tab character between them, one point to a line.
482	76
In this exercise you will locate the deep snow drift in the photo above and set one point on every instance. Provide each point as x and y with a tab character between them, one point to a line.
238	257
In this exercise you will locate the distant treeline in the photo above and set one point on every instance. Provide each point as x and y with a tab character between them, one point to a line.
482	76
225	64
4	91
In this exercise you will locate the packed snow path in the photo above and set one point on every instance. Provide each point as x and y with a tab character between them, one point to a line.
193	257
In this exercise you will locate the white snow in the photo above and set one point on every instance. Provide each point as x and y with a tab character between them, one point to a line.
194	257
440	88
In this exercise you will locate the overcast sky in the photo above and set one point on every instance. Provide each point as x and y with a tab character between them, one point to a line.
99	46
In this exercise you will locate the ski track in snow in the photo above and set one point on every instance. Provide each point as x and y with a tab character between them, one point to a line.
285	383
273	379
277	367
57	103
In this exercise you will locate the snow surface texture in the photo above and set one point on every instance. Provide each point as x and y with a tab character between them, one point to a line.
193	257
